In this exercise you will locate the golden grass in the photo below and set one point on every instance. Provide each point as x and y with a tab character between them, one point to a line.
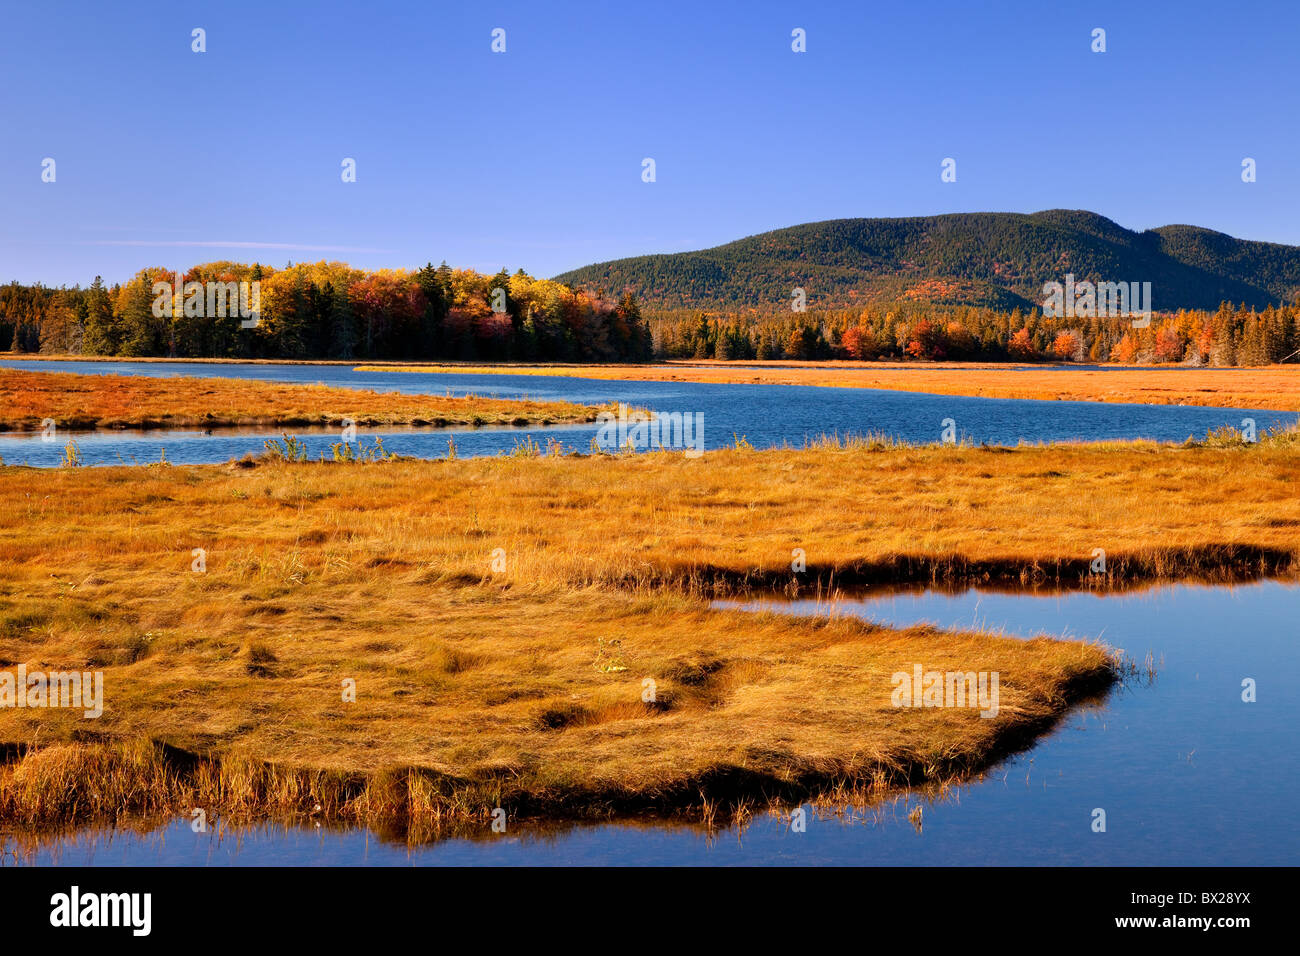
523	688
1273	387
136	401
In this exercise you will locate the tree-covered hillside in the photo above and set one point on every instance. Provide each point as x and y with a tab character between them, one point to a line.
999	260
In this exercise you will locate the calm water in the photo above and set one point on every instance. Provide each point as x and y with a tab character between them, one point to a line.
765	414
1187	773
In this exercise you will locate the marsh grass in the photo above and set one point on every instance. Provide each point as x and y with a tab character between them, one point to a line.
343	452
292	449
71	455
526	447
1274	386
135	401
524	688
1230	437
870	805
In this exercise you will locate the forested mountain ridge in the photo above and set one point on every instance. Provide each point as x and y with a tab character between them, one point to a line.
998	260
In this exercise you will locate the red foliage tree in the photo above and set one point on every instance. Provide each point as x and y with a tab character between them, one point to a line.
927	341
1170	344
859	343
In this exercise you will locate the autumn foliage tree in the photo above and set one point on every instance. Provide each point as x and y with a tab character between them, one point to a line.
1170	343
859	342
1067	346
1021	347
927	340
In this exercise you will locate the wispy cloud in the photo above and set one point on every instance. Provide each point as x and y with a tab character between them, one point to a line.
229	244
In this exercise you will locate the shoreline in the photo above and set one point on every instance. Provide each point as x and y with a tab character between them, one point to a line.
31	401
522	686
149	778
1272	388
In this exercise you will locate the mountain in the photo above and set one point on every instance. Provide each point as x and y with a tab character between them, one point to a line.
993	259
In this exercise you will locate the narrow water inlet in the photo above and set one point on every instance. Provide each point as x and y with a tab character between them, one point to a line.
1005	609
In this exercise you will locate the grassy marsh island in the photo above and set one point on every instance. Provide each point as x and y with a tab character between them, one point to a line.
502	619
73	401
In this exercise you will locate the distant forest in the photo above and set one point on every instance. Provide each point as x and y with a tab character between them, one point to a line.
1232	335
328	310
332	311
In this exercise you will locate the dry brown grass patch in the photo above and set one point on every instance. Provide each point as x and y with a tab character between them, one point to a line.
525	688
135	401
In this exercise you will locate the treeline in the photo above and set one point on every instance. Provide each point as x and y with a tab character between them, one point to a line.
1233	335
330	310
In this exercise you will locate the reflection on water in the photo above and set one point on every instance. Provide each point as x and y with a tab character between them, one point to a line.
767	415
1187	772
185	446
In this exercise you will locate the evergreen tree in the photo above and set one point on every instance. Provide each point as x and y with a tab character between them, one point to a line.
342	324
101	335
140	327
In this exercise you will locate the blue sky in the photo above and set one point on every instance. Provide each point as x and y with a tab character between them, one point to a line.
532	158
